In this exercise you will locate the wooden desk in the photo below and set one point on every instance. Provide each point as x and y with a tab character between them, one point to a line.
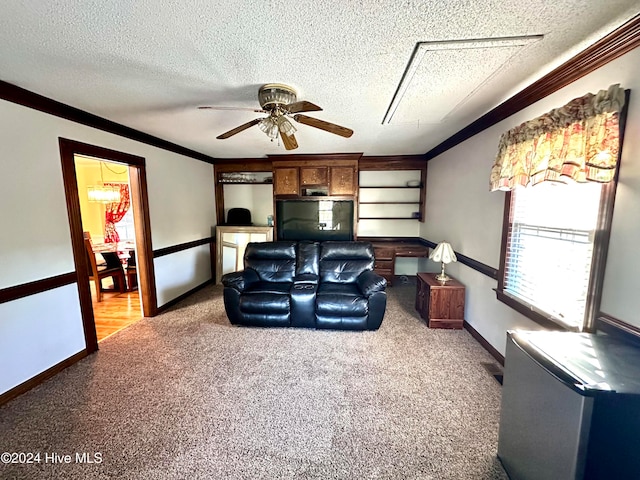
386	253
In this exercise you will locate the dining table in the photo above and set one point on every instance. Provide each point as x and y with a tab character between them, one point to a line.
120	250
118	255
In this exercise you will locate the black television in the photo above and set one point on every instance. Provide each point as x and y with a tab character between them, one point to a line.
314	219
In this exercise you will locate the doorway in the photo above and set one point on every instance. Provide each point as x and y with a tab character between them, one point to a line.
108	226
136	172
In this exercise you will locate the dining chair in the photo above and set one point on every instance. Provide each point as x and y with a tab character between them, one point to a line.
99	258
132	273
97	273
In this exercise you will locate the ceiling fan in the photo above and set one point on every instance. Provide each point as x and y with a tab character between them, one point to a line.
281	103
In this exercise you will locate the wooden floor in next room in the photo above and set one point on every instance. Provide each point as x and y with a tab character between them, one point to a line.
115	312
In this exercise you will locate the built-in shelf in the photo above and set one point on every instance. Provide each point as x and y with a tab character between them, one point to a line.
385	197
245	178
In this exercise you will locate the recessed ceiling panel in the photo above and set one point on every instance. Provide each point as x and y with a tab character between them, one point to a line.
441	76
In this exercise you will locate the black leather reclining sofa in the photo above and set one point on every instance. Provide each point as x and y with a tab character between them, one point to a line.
307	284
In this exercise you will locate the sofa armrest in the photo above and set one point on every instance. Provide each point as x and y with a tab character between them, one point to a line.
240	280
370	282
234	280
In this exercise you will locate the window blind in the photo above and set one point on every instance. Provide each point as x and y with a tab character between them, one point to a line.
550	248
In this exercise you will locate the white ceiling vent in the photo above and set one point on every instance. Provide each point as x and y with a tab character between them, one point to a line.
441	76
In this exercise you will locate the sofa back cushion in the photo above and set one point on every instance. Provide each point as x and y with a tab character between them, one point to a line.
343	262
273	261
308	258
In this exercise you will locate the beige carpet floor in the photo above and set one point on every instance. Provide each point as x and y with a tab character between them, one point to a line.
186	395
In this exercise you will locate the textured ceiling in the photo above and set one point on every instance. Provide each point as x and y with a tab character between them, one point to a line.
149	63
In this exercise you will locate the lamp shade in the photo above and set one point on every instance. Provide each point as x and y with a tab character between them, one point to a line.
443	253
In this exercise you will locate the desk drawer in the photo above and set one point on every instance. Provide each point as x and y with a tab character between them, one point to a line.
412	251
383	265
384	253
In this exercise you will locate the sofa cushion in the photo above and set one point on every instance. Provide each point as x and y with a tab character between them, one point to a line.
273	261
266	319
308	258
343	262
343	300
264	302
269	287
342	323
350	289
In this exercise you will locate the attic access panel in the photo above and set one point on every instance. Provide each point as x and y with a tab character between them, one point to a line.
442	76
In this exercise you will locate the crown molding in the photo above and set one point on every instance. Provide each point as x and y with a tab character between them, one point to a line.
14	94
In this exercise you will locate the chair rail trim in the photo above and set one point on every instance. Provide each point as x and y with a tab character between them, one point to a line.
16	292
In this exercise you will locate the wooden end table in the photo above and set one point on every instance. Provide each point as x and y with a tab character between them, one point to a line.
440	304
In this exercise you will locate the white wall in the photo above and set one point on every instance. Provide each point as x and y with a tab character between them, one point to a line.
37	332
35	242
181	198
257	198
180	272
462	211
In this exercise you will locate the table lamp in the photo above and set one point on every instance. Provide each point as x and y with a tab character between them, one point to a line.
445	254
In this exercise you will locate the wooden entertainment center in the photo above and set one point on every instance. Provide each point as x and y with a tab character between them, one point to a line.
385	200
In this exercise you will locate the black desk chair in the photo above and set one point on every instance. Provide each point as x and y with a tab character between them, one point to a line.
239	217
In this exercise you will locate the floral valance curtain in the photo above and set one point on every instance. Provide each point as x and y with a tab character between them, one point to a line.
115	212
579	141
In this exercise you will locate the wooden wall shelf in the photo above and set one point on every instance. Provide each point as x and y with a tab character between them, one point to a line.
401	194
337	173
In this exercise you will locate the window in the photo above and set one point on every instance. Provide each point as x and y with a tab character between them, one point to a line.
126	227
560	170
550	249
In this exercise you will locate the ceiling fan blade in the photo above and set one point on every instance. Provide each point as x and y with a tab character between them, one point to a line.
302	106
244	109
289	141
239	129
322	125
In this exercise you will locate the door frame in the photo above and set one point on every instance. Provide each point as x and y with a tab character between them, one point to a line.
140	203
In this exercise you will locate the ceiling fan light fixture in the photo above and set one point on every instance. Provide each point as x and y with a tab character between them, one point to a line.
274	94
285	126
269	127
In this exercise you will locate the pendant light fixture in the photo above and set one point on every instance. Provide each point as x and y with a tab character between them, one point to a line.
103	193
